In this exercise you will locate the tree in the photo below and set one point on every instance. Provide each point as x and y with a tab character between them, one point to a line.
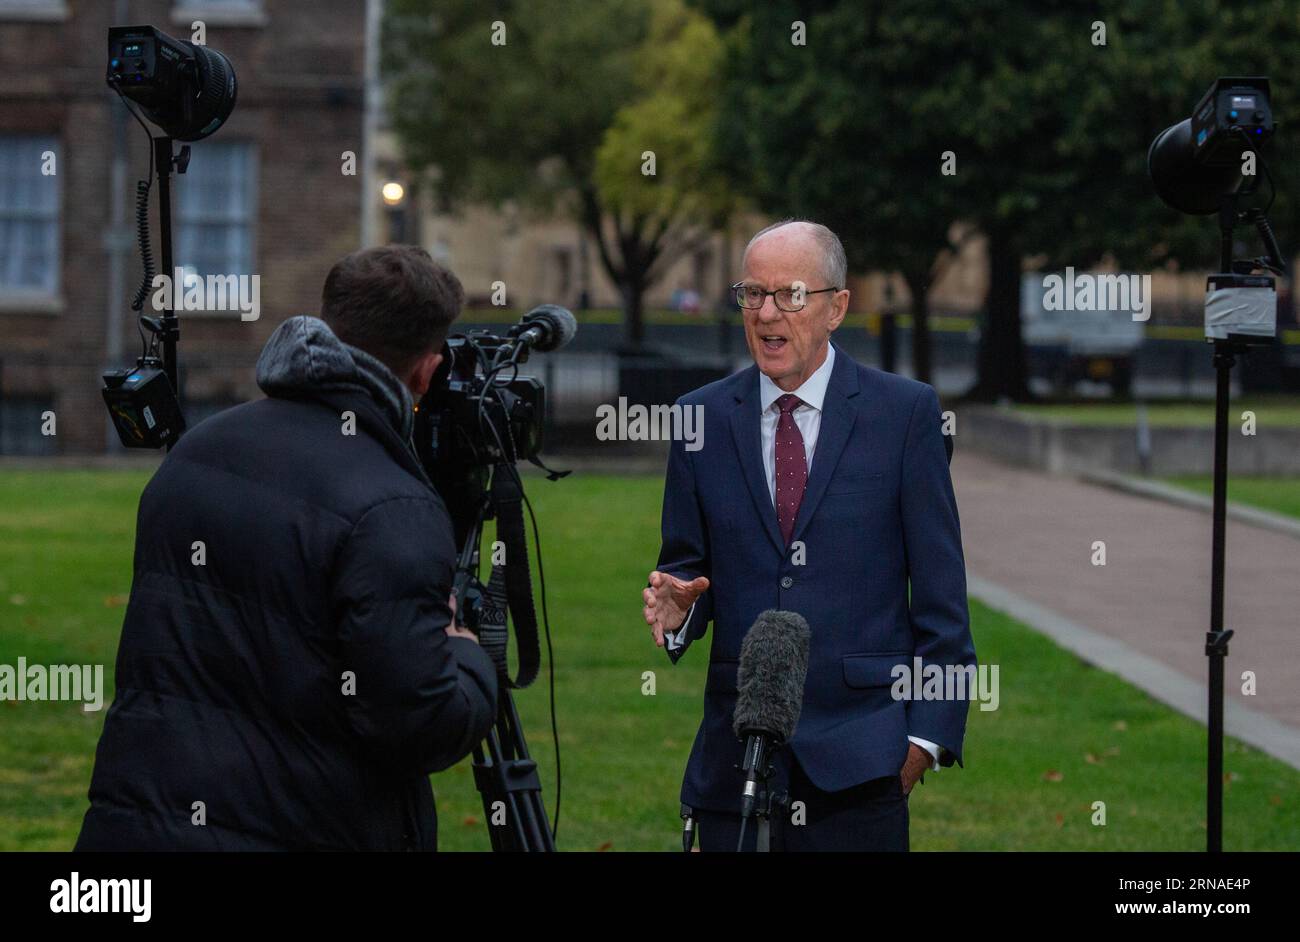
829	114
553	105
677	208
1084	97
1048	119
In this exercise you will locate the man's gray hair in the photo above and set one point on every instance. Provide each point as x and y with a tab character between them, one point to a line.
835	265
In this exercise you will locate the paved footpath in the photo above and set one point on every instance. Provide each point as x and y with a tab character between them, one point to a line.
1028	539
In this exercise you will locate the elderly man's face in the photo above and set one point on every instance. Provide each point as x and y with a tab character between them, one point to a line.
789	347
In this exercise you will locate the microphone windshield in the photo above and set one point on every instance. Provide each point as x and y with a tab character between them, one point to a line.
773	667
560	325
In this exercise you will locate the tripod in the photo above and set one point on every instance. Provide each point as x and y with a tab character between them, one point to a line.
504	773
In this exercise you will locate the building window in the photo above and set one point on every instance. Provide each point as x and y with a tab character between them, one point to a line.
29	215
219	12
37	10
21	418
216	202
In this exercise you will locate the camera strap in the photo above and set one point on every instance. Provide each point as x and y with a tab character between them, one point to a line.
551	473
513	576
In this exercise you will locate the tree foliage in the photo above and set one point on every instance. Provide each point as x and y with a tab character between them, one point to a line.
558	117
1049	128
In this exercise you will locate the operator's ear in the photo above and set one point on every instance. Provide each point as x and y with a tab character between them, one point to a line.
422	373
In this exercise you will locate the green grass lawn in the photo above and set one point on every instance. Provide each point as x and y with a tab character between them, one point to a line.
1271	410
1280	495
1065	736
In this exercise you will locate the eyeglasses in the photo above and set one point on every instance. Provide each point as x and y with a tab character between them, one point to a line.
791	300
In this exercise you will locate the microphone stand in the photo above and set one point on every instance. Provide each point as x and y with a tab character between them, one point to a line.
757	799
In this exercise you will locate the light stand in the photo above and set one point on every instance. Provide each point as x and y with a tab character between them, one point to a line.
1217	638
170	330
187	90
1201	165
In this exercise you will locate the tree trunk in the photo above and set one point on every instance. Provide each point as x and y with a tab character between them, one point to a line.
633	313
918	287
1001	370
888	343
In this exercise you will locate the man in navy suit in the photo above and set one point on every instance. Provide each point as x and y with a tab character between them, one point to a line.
821	487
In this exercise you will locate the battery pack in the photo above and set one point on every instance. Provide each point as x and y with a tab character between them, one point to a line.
1241	308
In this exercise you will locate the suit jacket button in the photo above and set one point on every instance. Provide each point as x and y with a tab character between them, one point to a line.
786	582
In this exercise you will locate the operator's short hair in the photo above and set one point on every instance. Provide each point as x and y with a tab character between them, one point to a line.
393	301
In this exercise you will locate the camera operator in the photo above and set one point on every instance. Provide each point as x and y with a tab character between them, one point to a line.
289	671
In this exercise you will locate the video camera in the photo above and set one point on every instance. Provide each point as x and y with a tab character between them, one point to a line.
478	419
480	414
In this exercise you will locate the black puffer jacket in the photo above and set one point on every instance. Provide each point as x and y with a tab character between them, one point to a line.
283	660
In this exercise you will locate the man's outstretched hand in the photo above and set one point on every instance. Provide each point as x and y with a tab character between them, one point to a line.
667	600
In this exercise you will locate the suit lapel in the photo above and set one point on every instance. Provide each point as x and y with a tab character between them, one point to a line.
839	411
747	431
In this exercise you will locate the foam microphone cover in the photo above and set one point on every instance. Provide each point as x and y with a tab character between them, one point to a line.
563	326
773	667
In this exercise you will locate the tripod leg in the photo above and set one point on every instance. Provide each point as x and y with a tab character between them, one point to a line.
512	835
489	798
539	823
507	774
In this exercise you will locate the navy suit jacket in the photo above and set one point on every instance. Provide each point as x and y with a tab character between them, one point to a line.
878	516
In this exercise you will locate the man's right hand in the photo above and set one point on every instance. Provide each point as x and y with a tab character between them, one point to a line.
667	600
455	629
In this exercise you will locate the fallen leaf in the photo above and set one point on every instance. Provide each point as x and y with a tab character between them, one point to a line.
115	601
469	821
608	845
1051	775
1091	759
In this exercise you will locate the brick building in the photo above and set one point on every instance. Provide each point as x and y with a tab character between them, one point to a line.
266	195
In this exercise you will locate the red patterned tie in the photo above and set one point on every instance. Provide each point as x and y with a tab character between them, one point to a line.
791	465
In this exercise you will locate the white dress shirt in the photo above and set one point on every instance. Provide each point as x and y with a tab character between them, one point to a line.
808	418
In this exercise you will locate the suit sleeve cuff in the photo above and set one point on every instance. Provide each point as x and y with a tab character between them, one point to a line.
930	747
673	640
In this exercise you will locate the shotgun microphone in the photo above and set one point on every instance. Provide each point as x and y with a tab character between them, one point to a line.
773	668
545	328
